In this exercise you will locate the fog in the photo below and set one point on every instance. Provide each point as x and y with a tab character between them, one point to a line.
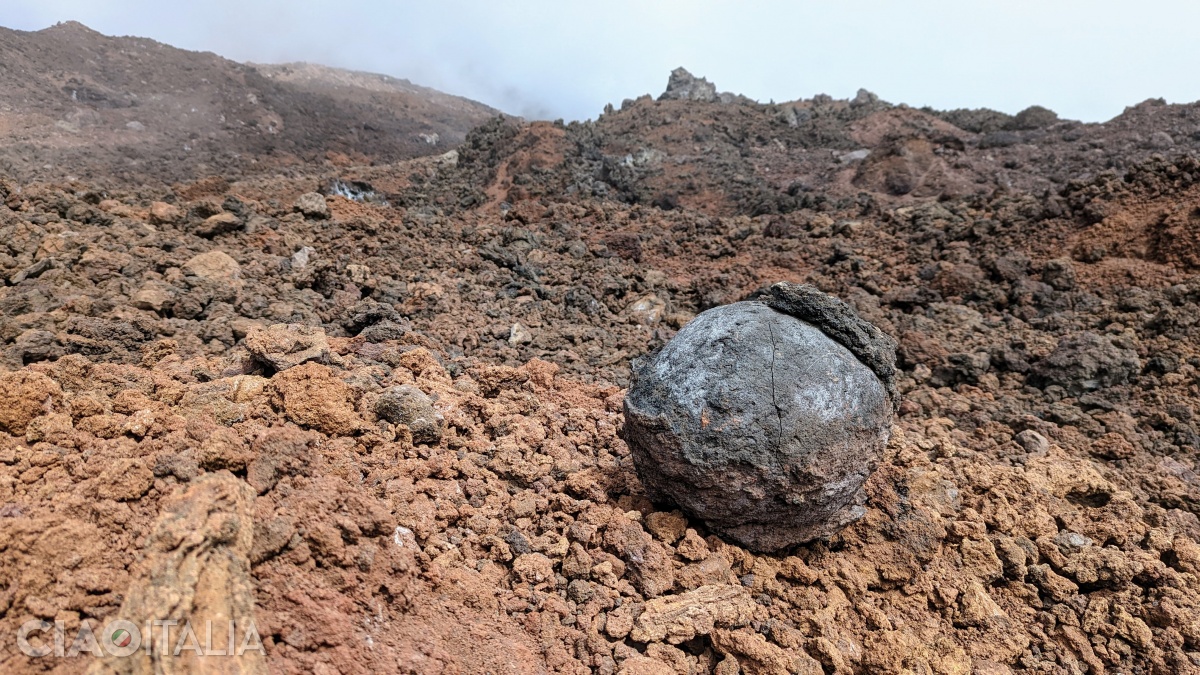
567	59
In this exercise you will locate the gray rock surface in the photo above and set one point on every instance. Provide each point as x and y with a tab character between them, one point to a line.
840	322
312	205
408	405
683	86
759	423
1085	362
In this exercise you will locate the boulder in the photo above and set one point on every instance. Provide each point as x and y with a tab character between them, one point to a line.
764	418
312	205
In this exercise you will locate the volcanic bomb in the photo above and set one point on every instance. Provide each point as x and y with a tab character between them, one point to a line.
764	418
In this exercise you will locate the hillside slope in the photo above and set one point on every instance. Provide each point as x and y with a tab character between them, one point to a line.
121	110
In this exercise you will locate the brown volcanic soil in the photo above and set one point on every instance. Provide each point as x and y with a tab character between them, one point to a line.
131	111
1037	511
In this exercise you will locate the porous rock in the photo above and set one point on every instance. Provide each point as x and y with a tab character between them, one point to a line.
312	205
764	419
284	346
24	396
1085	362
411	407
195	568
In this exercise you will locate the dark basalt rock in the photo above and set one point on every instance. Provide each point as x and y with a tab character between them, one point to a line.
408	405
764	418
1086	362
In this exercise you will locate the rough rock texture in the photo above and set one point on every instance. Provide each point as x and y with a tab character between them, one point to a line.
839	321
683	86
758	424
1086	362
284	346
23	397
195	568
679	618
411	407
1013	527
312	205
214	265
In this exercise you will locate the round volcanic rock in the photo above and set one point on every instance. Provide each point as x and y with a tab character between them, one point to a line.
764	418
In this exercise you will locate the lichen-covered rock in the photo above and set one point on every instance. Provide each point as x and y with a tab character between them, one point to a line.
760	423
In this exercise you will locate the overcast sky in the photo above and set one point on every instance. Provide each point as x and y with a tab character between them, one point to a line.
563	58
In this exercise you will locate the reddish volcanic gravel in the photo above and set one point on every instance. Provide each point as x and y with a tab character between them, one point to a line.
191	426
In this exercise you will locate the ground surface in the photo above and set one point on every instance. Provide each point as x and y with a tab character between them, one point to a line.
1037	510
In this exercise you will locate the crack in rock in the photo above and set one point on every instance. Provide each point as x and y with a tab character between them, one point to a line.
774	399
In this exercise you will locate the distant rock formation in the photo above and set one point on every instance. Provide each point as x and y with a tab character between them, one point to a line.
683	86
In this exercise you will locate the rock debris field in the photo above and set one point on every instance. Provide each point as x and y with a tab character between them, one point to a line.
378	409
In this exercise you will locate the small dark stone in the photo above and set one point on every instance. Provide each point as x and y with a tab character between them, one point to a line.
580	591
518	543
407	405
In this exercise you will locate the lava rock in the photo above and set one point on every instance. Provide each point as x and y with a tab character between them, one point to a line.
840	322
216	266
312	205
163	214
407	405
764	418
1033	442
221	223
1034	117
368	313
1086	362
683	86
285	346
